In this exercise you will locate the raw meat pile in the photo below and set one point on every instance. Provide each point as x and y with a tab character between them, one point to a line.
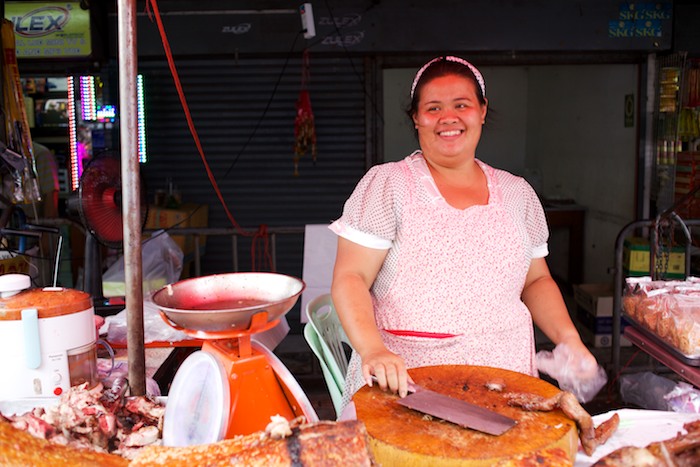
100	419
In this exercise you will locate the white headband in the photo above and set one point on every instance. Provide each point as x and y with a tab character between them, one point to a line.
450	58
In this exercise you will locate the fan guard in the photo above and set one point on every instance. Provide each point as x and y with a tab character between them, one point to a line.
100	200
98	203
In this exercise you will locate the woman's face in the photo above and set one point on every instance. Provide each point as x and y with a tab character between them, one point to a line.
449	119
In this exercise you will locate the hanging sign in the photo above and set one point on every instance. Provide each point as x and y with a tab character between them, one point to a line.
641	19
50	29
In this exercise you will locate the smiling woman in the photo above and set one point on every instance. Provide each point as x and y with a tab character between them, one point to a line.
441	257
449	119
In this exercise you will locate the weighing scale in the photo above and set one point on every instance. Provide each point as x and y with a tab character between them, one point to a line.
234	384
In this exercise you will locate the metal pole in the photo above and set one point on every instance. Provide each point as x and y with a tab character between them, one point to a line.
131	194
618	289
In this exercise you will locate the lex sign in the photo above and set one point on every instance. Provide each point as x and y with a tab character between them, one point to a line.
50	29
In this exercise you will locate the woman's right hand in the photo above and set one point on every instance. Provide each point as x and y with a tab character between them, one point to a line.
388	369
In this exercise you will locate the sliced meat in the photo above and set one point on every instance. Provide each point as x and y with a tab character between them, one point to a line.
630	456
145	436
33	425
145	407
590	437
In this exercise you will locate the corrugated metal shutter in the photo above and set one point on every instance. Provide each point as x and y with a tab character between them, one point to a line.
237	117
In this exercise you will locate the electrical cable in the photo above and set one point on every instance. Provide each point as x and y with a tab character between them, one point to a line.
613	383
261	235
153	5
267	106
336	30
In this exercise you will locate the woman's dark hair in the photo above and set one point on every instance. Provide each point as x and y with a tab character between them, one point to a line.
439	69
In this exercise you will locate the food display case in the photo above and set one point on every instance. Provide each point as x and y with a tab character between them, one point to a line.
657	325
667	312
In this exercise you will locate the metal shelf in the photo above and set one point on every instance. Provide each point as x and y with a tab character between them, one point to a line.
619	283
688	372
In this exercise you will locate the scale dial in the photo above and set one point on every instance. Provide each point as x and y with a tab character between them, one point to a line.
197	411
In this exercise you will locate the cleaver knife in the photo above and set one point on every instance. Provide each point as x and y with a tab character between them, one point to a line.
456	411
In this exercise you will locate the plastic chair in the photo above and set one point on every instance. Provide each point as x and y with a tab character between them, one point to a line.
332	341
334	389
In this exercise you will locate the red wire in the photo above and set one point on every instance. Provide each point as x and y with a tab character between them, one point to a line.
262	230
611	385
261	236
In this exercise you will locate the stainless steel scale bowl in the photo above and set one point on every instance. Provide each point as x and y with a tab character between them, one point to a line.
228	302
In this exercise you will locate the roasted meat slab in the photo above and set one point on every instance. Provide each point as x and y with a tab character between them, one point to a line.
681	451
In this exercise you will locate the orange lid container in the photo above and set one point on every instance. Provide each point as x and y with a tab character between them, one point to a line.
49	302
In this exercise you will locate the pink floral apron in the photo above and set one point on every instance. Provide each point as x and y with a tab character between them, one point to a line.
460	274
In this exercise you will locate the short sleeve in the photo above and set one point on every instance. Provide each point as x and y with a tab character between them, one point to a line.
523	204
535	221
370	214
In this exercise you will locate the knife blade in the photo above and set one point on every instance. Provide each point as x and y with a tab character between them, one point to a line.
457	411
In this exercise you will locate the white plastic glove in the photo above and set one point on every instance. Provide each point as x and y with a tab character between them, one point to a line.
573	373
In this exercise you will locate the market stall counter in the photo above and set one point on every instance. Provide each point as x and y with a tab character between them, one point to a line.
551	426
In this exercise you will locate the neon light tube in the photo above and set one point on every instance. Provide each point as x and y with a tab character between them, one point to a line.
72	136
87	98
141	116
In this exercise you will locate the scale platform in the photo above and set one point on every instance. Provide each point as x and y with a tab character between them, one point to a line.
234	385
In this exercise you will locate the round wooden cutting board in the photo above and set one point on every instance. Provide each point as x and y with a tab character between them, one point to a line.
401	436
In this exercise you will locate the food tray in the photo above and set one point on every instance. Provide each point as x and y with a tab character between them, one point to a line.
692	360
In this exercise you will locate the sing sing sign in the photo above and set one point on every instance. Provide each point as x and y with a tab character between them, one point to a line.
50	29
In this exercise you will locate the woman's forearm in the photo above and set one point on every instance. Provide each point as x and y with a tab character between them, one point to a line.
543	298
549	312
353	303
355	270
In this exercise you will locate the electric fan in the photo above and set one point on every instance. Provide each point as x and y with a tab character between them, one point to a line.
98	203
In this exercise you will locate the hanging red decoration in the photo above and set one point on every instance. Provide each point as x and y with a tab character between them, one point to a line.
304	127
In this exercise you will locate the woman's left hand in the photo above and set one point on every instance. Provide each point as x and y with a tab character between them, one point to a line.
584	365
574	367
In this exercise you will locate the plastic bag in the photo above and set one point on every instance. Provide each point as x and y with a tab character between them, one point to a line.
155	329
111	371
572	374
161	263
684	398
646	390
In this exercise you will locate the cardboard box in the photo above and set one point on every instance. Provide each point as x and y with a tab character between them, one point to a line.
596	299
594	306
635	259
601	340
598	325
187	215
13	264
